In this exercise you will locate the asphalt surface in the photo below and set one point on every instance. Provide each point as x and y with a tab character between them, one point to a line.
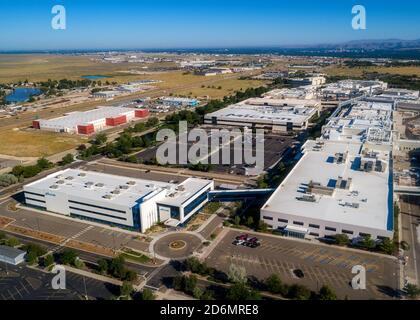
189	242
23	283
320	265
410	219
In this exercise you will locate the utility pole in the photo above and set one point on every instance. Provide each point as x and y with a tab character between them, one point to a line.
84	283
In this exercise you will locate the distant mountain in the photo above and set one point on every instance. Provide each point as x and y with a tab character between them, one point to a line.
386	44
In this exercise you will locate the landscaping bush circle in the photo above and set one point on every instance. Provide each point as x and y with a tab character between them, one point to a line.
177	245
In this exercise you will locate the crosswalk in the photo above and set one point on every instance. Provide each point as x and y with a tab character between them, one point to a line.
74	237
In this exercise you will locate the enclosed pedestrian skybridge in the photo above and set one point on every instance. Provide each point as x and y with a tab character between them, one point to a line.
237	195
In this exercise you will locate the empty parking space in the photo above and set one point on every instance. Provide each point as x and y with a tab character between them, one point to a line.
319	264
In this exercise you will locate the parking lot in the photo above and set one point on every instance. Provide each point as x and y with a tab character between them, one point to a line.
320	264
134	173
23	283
274	146
72	228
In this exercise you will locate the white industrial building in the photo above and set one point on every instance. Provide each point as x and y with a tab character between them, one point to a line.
105	94
343	182
269	114
119	201
303	92
308	81
179	101
348	89
88	122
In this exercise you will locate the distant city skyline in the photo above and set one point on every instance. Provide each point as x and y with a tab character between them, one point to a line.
129	24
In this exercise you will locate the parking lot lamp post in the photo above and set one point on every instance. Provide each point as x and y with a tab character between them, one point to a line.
84	283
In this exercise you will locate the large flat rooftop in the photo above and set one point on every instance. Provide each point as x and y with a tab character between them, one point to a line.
364	202
73	119
120	190
270	114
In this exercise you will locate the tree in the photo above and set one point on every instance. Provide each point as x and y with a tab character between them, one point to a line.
412	290
35	249
190	284
239	291
18	170
237	220
326	293
103	266
12	242
68	257
341	239
387	246
8	180
99	139
298	292
237	274
197	293
147	294
207	295
126	289
195	266
274	285
32	258
367	242
262	226
48	260
250	221
117	268
43	164
129	275
67	159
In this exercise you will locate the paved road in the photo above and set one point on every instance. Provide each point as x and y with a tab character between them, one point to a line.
320	264
23	283
142	270
189	243
410	219
71	228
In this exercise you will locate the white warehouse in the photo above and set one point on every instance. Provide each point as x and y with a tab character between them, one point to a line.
91	121
124	202
277	115
343	182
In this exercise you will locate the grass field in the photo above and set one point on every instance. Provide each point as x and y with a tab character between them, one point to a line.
357	72
15	68
20	143
228	87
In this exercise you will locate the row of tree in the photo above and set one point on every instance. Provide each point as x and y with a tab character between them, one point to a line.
241	288
385	245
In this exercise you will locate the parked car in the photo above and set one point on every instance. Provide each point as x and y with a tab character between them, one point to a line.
298	273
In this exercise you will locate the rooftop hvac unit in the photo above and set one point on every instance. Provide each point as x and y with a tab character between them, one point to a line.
82	174
124	187
99	184
116	191
60	182
69	178
107	196
54	186
131	183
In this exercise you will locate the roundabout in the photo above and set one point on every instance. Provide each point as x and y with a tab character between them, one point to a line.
176	245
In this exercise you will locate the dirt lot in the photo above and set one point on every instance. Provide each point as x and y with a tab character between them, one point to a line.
20	143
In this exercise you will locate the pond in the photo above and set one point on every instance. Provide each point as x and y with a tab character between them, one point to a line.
22	94
95	77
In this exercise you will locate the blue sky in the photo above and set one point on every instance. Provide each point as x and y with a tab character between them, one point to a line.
26	24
